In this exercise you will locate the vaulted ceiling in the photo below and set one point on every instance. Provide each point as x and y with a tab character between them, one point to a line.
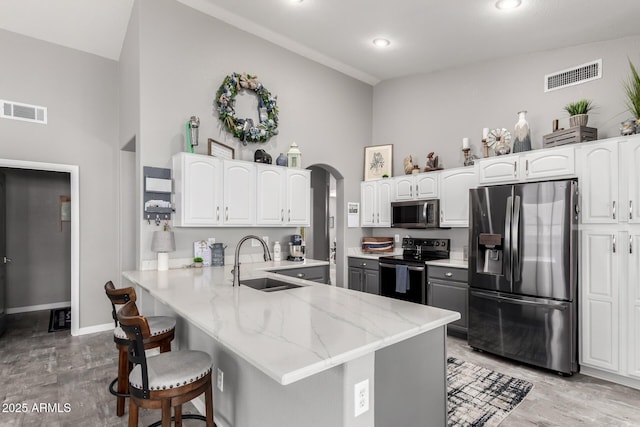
425	35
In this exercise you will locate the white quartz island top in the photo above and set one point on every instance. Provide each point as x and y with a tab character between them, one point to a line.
290	334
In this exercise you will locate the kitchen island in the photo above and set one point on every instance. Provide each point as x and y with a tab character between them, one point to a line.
294	357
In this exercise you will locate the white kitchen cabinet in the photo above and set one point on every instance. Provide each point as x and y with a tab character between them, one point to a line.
454	196
598	177
213	192
633	333
239	192
631	156
610	181
298	197
600	302
270	195
537	165
198	190
375	203
416	186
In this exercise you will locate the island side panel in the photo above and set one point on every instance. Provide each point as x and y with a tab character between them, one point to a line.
251	398
411	383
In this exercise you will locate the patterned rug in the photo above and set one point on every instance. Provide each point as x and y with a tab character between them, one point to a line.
479	396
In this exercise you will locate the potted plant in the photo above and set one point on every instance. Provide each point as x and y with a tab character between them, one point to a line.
632	90
197	262
578	112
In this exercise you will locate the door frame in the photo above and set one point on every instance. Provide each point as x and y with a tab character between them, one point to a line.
74	178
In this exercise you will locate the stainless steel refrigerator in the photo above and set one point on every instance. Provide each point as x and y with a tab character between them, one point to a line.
523	268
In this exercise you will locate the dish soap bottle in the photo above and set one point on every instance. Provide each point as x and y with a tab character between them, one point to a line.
277	255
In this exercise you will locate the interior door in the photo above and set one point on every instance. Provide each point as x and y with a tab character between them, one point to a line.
3	261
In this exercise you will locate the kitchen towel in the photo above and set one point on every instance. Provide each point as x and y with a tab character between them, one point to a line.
402	278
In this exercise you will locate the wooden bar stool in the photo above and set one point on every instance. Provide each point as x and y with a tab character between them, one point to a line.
162	331
166	380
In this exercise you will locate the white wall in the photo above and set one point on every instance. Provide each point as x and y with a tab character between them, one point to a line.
79	90
433	112
184	57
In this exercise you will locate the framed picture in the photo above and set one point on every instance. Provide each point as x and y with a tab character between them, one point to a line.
218	149
378	161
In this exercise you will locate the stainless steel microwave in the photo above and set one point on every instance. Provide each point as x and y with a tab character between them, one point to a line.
416	214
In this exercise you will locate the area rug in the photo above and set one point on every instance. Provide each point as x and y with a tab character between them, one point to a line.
479	396
60	319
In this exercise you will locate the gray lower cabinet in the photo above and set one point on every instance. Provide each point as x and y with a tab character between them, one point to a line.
363	275
447	288
318	273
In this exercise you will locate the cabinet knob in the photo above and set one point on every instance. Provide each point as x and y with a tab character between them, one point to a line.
300	275
448	274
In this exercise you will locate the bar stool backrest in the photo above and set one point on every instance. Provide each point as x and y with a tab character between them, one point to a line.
118	297
137	329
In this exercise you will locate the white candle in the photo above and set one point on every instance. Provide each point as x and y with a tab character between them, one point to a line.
485	133
465	143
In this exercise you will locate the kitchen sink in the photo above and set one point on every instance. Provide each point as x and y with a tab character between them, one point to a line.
267	284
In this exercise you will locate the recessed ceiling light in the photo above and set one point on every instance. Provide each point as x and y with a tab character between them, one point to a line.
380	42
508	4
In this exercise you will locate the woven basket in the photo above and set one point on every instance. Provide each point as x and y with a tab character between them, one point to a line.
578	120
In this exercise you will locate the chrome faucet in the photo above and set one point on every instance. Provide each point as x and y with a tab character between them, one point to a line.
236	260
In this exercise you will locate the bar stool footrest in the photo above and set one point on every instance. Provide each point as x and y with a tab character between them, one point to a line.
184	417
115	393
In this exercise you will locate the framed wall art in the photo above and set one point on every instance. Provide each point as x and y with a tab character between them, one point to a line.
218	149
378	161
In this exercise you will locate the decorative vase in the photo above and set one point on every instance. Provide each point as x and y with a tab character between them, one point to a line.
197	264
281	160
578	120
522	133
502	147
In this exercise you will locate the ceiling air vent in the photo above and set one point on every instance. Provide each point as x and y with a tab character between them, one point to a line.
25	112
573	76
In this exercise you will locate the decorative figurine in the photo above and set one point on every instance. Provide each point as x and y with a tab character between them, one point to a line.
408	165
432	162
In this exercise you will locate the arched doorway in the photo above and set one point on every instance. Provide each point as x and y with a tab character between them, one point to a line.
325	238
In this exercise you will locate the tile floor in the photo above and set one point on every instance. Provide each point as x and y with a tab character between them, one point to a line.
38	367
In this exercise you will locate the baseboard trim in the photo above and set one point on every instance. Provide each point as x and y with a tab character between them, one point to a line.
609	376
94	329
38	307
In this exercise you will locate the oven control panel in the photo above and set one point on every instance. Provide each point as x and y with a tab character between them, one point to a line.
425	244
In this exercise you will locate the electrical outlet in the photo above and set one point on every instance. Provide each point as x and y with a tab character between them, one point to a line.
361	401
220	380
397	238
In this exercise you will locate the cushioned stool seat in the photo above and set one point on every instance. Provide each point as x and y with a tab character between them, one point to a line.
174	369
158	325
162	331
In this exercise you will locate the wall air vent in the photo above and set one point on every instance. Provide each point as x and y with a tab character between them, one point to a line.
573	76
25	112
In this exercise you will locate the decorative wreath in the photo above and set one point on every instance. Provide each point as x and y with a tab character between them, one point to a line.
245	129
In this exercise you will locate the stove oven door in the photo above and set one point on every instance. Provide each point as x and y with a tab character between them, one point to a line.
417	281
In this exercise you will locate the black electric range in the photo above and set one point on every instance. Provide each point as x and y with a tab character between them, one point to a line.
405	276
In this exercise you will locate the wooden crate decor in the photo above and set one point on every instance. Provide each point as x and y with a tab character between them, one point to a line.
570	136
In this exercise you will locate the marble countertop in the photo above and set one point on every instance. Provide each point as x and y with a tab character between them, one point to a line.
291	334
451	262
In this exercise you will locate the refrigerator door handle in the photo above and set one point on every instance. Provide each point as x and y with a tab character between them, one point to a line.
556	305
516	239
506	250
